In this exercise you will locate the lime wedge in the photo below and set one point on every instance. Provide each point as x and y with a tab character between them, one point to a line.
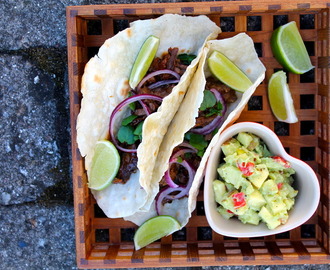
289	49
227	72
154	229
105	165
143	60
280	98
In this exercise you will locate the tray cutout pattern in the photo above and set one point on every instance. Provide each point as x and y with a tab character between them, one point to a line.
107	243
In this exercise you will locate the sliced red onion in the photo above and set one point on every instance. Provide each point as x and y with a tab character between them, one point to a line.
155	73
118	108
163	194
187	145
216	121
183	190
161	83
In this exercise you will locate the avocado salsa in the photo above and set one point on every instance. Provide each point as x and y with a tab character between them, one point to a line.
253	185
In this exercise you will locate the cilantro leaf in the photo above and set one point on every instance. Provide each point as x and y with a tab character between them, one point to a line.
217	109
198	141
125	135
209	100
138	129
186	59
128	120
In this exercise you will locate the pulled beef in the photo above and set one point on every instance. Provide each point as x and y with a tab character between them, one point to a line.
228	94
167	61
127	167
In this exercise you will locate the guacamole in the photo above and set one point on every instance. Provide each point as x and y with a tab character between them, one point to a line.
254	186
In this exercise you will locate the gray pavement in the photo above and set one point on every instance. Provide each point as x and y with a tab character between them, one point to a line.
36	200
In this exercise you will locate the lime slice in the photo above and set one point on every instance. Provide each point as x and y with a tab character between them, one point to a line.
280	98
154	229
143	60
227	72
105	165
289	49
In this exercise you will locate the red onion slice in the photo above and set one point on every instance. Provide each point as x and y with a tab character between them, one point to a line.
163	194
183	192
216	121
161	83
155	73
118	108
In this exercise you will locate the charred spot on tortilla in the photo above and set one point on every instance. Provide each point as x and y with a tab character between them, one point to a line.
125	89
98	79
248	71
129	32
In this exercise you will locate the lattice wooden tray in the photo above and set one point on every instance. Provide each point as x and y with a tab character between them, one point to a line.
107	243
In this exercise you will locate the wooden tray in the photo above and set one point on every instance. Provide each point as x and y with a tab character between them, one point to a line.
107	243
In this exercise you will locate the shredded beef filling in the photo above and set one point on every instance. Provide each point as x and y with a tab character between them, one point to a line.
167	61
227	93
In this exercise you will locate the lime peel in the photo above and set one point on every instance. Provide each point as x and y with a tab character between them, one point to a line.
105	165
280	98
154	229
227	72
143	60
289	49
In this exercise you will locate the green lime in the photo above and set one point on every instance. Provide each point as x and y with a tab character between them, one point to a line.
280	98
289	49
143	60
105	165
154	229
227	72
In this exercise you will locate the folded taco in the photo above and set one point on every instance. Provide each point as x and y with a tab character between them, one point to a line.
136	119
208	107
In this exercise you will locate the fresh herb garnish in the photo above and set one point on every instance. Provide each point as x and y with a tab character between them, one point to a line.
179	159
217	109
198	141
128	120
209	100
138	130
186	59
126	135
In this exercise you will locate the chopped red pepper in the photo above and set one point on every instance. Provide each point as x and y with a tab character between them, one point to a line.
247	168
282	161
279	185
239	200
230	212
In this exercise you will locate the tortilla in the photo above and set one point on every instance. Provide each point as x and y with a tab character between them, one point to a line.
105	85
240	50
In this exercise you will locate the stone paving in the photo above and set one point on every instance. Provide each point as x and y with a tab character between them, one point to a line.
36	201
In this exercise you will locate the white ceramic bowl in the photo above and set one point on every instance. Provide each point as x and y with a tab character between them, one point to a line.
306	183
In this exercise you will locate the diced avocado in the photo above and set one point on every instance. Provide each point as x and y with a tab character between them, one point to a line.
287	191
262	150
289	203
227	214
231	174
230	146
269	187
272	165
259	175
247	188
255	200
268	218
250	217
219	189
254	144
277	177
244	138
229	187
228	204
275	203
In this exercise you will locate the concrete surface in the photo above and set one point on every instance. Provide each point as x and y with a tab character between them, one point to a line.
36	201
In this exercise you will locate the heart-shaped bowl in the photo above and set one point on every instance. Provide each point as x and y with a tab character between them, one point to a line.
306	183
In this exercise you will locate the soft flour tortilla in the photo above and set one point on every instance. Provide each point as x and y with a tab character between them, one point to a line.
240	50
105	84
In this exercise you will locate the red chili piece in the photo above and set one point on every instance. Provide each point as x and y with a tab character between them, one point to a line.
246	168
239	200
282	161
279	185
